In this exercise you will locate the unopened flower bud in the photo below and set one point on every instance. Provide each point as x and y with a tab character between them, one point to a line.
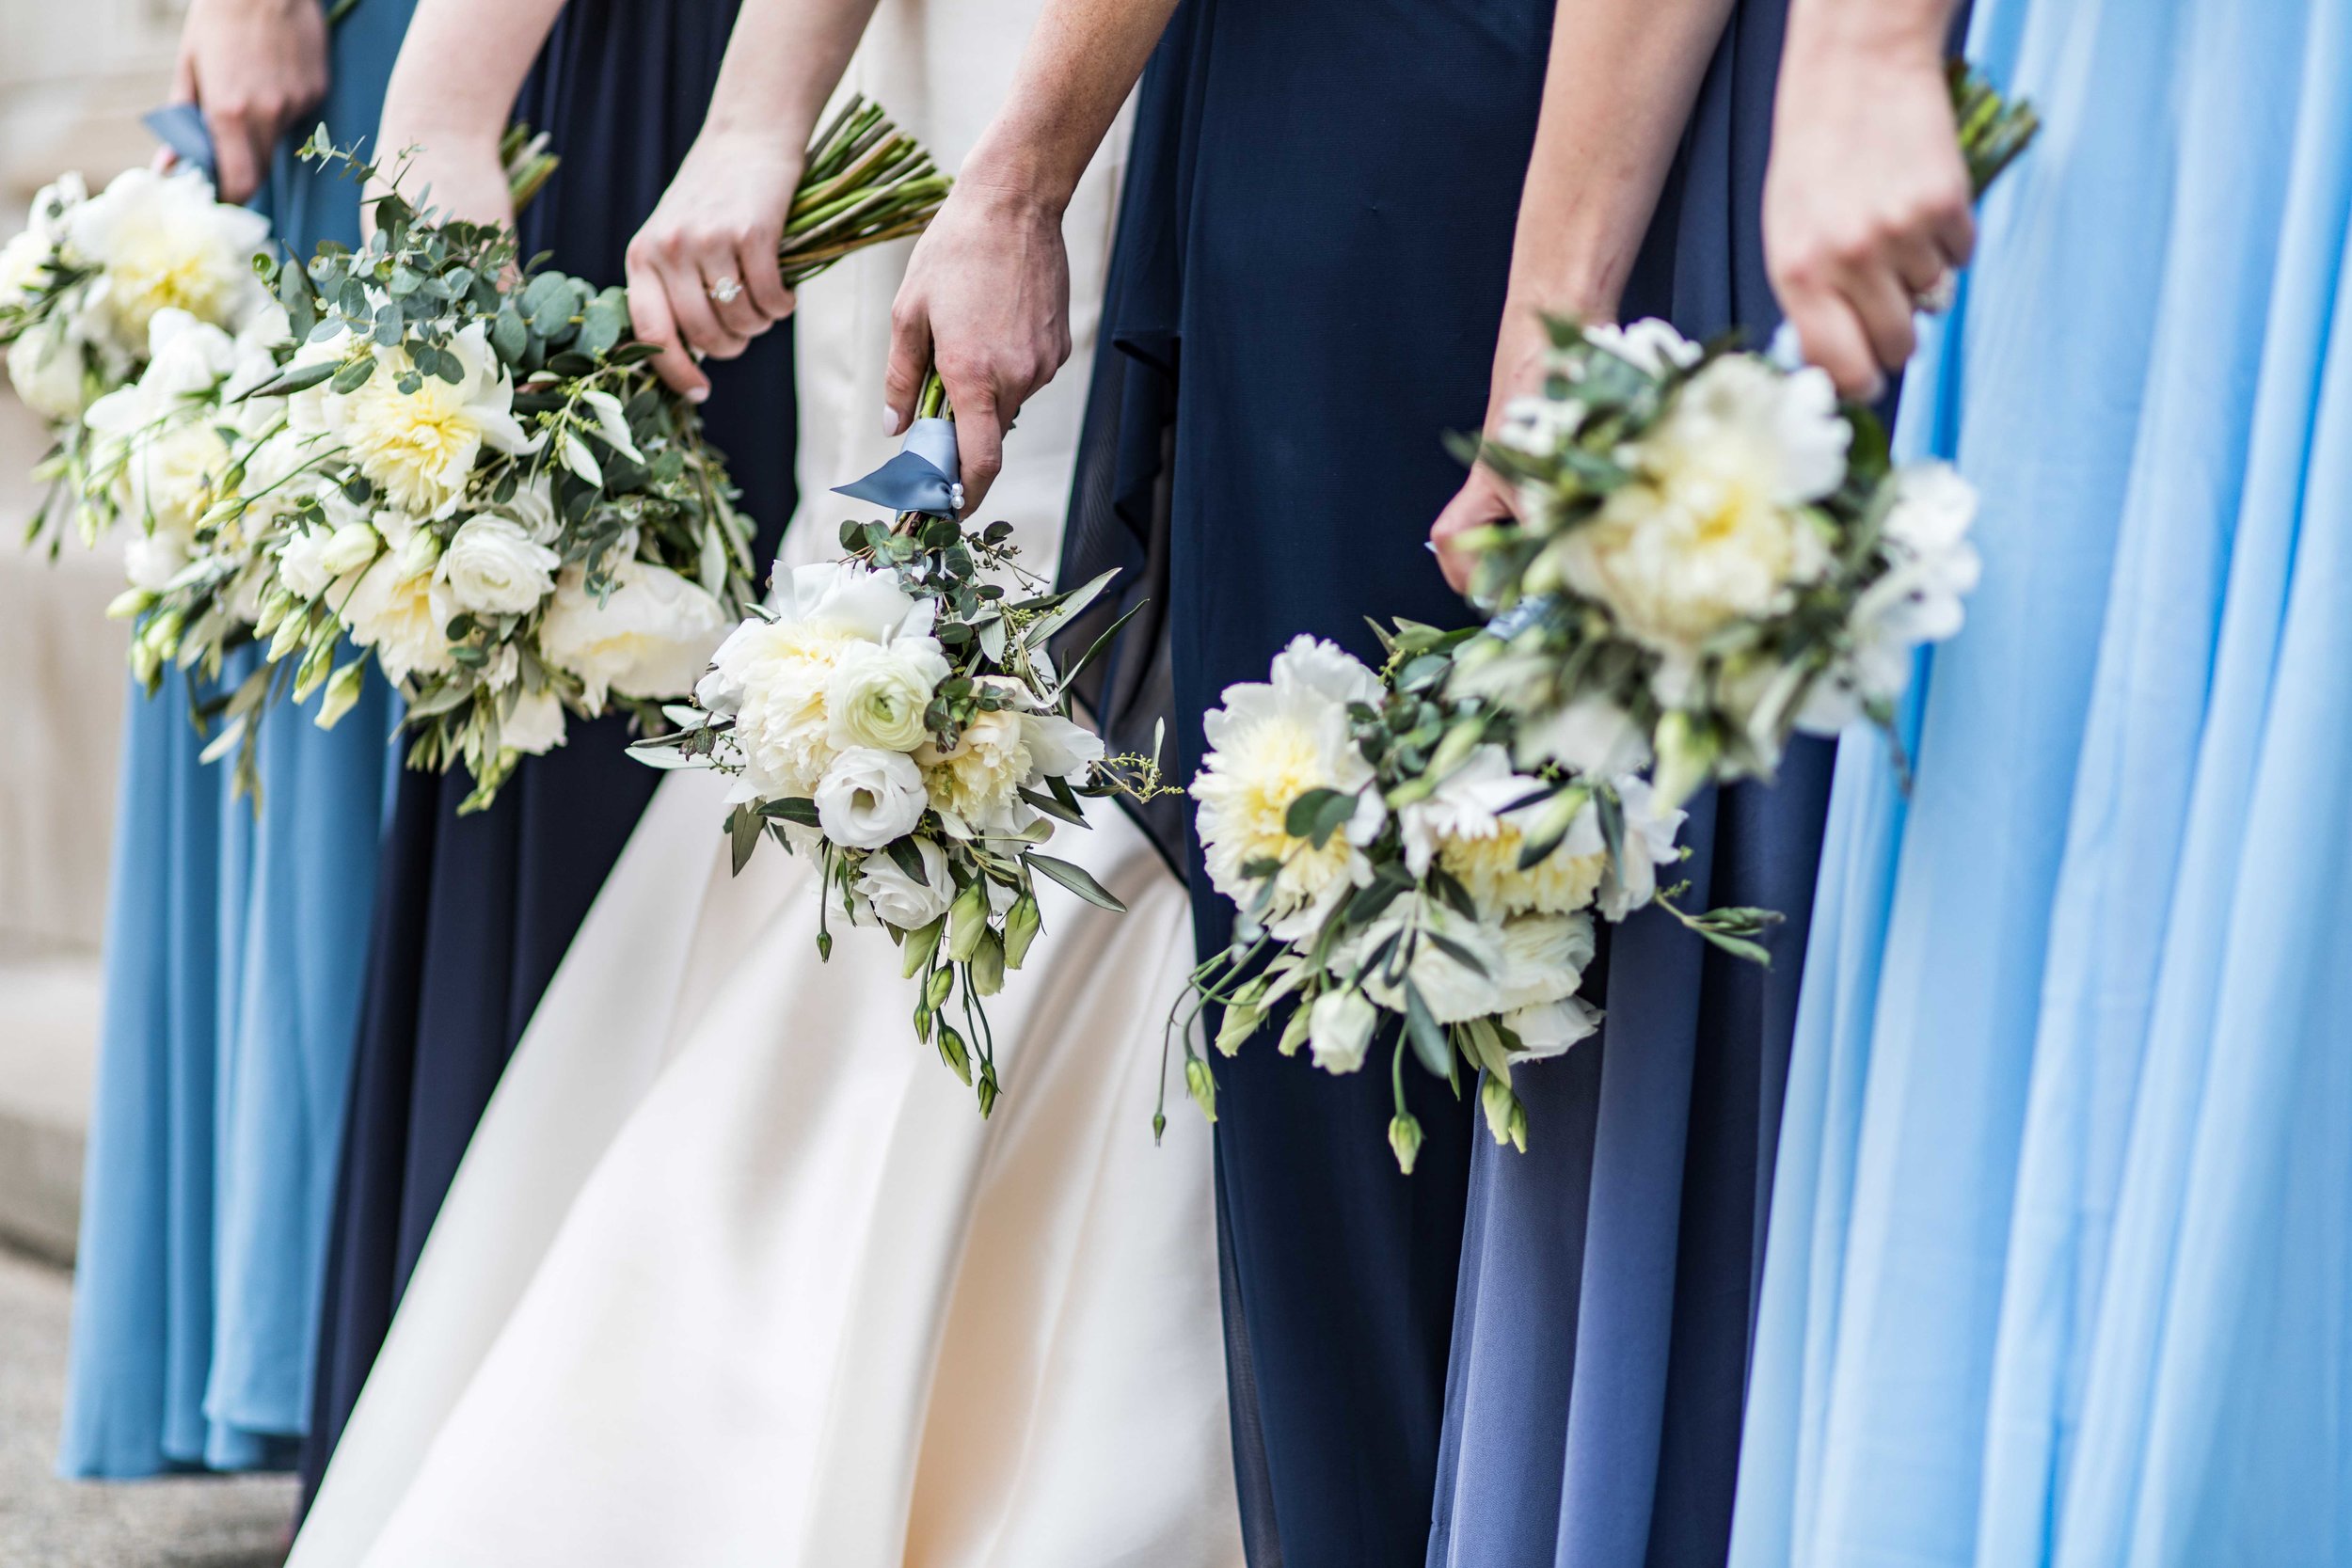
1405	1139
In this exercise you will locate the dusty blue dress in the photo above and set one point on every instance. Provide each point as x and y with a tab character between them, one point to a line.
234	947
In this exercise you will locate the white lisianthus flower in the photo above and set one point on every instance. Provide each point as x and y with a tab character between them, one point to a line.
533	506
25	266
536	725
1590	735
492	567
151	561
652	637
419	448
1649	843
45	366
1539	426
161	240
1057	747
302	562
897	899
396	612
869	797
1542	961
1931	567
1339	1029
1650	344
1269	744
1718	529
877	693
1455	992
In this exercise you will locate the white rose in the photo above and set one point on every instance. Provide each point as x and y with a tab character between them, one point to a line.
1339	1029
652	637
1547	1029
869	797
897	898
493	568
1270	744
419	448
877	694
161	242
45	367
536	725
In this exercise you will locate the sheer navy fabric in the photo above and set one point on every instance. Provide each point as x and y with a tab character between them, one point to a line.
474	912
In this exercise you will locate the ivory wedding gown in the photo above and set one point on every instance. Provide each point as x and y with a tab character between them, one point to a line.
733	1271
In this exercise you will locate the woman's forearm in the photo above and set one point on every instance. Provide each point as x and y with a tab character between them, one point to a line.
1082	59
460	66
1617	92
1893	29
783	60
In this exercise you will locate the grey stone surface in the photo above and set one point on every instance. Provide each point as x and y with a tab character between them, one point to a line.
194	1522
49	1006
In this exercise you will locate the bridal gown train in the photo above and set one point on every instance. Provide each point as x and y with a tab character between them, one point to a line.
733	1272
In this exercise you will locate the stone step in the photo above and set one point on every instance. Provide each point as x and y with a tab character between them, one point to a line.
49	1007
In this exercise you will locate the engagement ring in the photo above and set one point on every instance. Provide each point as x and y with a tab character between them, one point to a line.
1937	297
725	290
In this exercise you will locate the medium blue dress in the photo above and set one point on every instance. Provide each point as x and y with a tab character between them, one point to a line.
1609	1273
474	912
233	950
2064	1220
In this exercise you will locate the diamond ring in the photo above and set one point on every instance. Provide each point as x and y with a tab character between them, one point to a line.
726	291
1938	296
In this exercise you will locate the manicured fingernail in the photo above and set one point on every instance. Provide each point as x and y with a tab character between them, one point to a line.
699	394
890	422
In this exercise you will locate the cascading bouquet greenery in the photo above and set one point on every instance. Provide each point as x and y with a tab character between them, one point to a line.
895	715
465	467
1712	552
1402	875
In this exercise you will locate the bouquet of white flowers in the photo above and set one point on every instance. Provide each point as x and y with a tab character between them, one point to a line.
1714	552
895	715
464	465
1402	875
82	286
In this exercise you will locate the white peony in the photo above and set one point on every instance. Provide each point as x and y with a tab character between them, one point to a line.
1718	530
1339	1029
653	635
869	797
536	725
978	782
394	610
897	899
161	242
419	448
492	567
876	695
1269	744
1543	960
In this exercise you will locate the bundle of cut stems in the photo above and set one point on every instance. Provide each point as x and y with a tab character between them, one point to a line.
865	181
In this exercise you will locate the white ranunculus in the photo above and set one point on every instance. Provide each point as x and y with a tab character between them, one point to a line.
869	797
1719	529
419	448
652	637
397	614
1269	744
1649	843
1339	1029
1590	735
877	694
537	724
45	367
1650	344
896	898
1468	804
161	240
492	567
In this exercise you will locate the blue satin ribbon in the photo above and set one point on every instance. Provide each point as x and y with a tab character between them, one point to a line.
180	127
922	478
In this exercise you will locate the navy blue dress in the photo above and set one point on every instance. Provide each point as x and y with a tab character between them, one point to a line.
1313	249
473	913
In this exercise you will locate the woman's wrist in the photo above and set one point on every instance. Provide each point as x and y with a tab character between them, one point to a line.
1867	34
1019	174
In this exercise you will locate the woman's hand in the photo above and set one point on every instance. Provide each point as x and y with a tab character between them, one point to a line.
987	300
1866	201
453	170
703	277
1485	497
253	68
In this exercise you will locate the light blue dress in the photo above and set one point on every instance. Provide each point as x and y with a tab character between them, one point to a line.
2060	1258
235	951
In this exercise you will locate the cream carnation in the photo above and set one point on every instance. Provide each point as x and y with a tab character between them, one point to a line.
396	611
1269	744
419	448
161	242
